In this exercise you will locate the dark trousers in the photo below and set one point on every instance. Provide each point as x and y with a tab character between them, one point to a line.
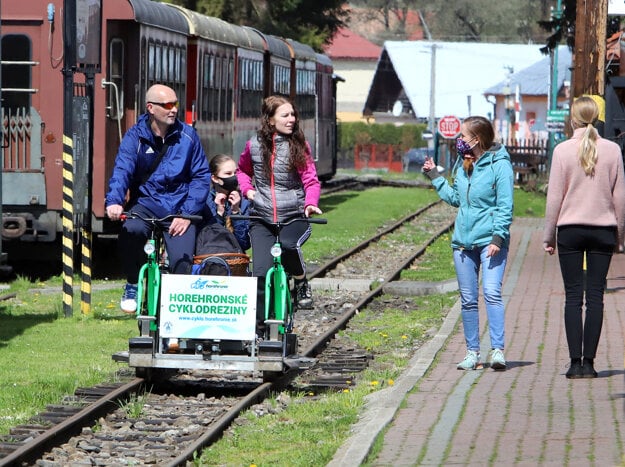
134	234
292	238
598	244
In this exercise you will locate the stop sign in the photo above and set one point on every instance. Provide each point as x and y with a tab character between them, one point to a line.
449	126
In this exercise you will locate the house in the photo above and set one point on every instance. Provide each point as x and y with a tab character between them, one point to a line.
416	80
522	99
354	59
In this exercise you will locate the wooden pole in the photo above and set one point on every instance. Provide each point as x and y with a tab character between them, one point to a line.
590	48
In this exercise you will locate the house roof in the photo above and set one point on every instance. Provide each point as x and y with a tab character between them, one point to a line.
462	71
346	44
535	79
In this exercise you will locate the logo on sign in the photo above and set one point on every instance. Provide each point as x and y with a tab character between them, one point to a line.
449	127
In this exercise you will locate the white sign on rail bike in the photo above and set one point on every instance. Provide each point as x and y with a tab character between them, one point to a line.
208	307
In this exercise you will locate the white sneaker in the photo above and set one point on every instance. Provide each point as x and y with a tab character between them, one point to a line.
497	360
471	361
128	303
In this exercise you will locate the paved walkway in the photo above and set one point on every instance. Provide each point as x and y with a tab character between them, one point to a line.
528	415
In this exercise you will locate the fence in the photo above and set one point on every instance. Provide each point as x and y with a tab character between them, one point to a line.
378	156
529	159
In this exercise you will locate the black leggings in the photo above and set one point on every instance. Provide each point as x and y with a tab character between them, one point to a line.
292	238
598	244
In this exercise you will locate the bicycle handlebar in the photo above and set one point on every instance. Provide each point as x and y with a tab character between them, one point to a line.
191	217
270	223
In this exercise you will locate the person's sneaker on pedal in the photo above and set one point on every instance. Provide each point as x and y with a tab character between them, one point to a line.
497	360
471	361
303	294
128	302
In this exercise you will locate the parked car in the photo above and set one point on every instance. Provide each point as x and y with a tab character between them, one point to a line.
414	159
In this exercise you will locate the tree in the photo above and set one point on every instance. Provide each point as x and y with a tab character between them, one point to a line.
311	22
464	20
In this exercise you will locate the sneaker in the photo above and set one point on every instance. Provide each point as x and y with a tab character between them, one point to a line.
128	302
588	370
497	360
470	362
303	295
575	370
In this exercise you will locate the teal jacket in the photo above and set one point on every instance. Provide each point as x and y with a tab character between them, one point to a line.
484	200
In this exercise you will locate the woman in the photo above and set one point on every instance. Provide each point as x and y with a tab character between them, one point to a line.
586	205
482	191
286	186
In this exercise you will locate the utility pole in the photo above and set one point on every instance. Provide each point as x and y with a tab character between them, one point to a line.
590	48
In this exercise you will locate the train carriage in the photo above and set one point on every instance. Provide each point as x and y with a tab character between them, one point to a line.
220	72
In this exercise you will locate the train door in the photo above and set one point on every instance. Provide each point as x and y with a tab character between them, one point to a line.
32	129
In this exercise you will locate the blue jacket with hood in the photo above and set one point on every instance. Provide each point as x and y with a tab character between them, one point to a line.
484	200
179	184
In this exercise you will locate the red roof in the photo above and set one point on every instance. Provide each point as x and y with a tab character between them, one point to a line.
346	44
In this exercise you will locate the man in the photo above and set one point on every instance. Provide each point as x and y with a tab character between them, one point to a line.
160	169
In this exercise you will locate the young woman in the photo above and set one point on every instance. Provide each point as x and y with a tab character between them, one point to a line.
586	205
483	193
277	173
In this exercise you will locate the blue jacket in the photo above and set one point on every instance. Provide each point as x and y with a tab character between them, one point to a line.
484	200
241	227
179	185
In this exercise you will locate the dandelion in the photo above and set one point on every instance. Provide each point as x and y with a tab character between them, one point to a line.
374	383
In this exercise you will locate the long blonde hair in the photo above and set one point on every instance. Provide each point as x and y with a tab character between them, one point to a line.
584	112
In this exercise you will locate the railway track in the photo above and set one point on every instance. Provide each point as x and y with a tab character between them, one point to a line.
167	424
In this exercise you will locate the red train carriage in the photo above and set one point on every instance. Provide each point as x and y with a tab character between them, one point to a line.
220	72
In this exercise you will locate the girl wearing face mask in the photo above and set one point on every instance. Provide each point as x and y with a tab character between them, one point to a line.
482	191
225	199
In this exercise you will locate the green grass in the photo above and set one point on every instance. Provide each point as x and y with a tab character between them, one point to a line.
355	215
44	356
529	203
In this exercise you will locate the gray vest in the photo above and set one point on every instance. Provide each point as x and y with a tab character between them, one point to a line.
287	189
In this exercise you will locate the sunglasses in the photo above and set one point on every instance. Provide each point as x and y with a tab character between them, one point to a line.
165	105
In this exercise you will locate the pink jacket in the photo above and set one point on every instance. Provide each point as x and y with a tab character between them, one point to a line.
574	198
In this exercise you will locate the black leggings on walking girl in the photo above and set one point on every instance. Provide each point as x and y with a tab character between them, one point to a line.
598	244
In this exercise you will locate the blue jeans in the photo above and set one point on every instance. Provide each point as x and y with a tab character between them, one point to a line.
467	263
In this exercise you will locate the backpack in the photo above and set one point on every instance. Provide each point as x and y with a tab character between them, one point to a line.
214	239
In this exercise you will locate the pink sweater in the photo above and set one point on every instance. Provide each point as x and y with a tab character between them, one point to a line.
574	198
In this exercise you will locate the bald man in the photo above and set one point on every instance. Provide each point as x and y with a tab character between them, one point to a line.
160	169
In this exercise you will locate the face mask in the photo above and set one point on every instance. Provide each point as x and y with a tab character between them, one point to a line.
463	147
229	183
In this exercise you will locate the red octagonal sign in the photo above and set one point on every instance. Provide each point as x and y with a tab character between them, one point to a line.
449	126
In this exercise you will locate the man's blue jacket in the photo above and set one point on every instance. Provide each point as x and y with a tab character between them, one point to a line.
180	183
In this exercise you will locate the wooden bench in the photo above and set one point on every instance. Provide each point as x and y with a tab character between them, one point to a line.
527	165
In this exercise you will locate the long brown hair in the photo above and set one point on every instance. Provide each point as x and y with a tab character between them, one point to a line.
297	141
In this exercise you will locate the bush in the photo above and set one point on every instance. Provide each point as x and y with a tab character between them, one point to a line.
408	136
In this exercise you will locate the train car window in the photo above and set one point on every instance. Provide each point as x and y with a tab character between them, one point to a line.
183	66
151	61
16	72
229	90
158	64
164	64
171	62
116	76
